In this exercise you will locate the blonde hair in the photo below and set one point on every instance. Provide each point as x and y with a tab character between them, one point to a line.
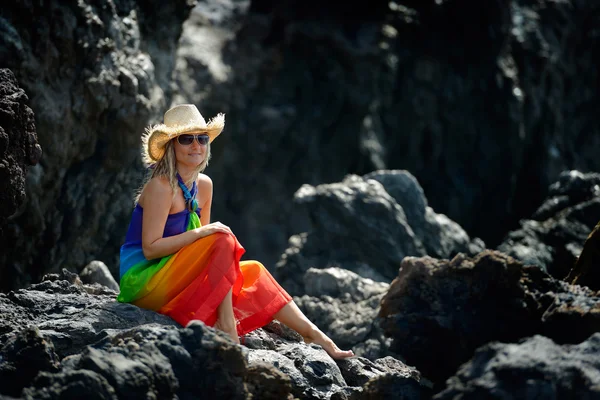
167	167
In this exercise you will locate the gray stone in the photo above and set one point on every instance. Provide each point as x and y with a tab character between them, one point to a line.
553	236
97	272
533	369
345	306
452	307
359	225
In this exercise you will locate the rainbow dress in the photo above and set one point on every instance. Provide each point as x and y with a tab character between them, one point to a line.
190	284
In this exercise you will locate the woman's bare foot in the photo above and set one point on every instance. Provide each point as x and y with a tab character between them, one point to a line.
316	336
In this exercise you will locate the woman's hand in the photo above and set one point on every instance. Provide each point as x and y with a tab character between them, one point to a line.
215	227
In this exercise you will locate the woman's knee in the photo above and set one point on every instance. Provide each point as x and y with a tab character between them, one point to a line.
224	240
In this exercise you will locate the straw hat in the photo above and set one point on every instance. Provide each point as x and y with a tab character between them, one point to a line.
179	120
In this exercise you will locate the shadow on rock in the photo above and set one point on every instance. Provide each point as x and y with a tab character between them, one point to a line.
536	368
586	271
438	312
368	225
552	237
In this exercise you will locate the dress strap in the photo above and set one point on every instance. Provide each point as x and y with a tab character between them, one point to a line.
189	195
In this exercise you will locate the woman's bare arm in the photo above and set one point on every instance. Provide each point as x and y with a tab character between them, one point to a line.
157	198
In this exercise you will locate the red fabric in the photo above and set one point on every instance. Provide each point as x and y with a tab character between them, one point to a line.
192	286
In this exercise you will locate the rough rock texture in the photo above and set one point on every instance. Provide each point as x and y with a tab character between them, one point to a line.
316	376
18	146
22	357
345	306
97	272
154	362
554	235
439	311
65	339
69	313
96	72
315	91
390	387
368	225
586	271
537	368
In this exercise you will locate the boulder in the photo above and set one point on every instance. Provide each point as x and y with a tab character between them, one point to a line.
438	312
345	306
19	148
97	272
359	224
586	271
532	369
553	236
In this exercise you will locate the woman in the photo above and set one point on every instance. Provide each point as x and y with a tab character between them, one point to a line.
175	261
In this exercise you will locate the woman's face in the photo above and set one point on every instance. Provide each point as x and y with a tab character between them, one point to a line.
191	149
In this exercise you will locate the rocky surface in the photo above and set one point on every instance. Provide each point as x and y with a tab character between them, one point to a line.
502	370
586	271
345	306
368	225
438	312
62	338
553	236
96	73
19	148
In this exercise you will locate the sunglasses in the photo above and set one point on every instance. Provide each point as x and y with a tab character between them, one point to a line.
186	140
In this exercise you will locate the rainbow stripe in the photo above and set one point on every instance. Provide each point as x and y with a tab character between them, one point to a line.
190	284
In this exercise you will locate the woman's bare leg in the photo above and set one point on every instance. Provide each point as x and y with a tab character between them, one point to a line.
226	318
291	316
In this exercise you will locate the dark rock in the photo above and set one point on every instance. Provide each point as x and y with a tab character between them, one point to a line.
392	386
265	382
283	332
97	272
96	73
22	357
586	271
79	384
358	371
552	238
158	362
68	316
537	368
438	311
84	344
387	378
573	315
19	148
338	282
570	190
442	237
359	225
313	374
345	307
